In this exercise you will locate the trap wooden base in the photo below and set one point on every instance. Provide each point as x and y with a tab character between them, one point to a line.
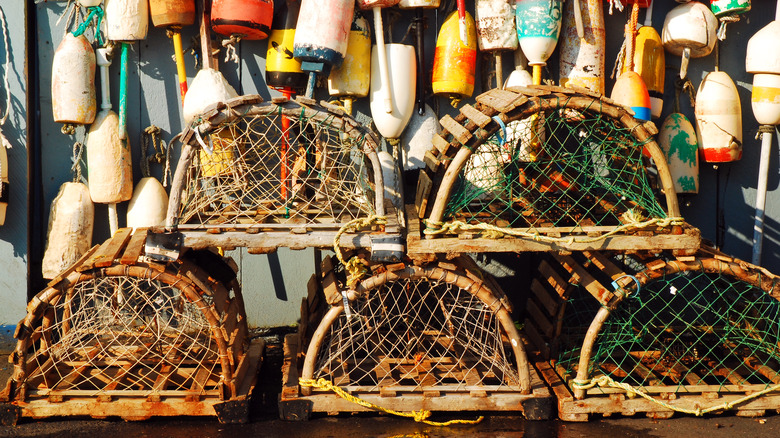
418	245
612	401
142	405
294	406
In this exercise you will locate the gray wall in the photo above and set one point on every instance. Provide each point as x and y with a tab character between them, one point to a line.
274	284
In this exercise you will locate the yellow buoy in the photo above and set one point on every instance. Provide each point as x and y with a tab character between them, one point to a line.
353	78
455	63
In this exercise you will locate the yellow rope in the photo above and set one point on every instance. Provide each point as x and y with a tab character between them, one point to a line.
355	268
605	380
420	416
490	231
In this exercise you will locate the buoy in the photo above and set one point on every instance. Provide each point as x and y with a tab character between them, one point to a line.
582	59
630	91
73	81
127	20
321	36
148	205
728	11
677	139
108	155
719	118
167	13
89	3
207	88
519	76
763	60
4	181
650	62
419	27
496	31
282	71
401	62
376	6
538	28
353	78
455	63
69	236
417	138
642	3
518	131
244	19
173	14
690	31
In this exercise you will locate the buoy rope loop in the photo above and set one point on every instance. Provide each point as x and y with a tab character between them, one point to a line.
230	47
620	290
96	13
631	392
502	136
420	416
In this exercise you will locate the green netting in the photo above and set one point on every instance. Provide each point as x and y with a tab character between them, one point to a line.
682	329
559	168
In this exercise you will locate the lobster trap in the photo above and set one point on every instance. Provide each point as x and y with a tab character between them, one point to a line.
407	338
547	168
284	173
695	335
120	335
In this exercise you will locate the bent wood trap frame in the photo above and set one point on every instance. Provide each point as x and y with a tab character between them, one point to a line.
151	338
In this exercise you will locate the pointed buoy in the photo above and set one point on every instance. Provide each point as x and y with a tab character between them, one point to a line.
630	91
73	81
538	28
401	62
677	139
690	31
148	205
69	236
582	59
455	63
208	88
719	119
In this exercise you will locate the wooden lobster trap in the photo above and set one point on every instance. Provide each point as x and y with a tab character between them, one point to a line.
695	335
264	175
407	338
122	335
546	168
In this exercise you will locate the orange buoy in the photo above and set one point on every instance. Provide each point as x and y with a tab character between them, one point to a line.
248	19
166	13
455	63
642	3
73	81
630	91
719	118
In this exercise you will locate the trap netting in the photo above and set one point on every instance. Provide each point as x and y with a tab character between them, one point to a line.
274	163
145	330
550	163
709	324
415	329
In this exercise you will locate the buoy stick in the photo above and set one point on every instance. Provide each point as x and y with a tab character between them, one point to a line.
113	218
311	84
462	28
419	30
179	54
499	69
123	90
763	173
684	61
380	47
103	61
537	74
649	15
284	171
578	19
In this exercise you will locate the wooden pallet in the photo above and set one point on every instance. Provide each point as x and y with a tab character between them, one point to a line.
409	397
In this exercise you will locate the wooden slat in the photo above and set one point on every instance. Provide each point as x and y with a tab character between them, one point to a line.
530	330
64	274
461	134
330	288
108	251
554	279
542	321
544	297
441	144
582	277
424	186
502	101
162	379
135	248
431	161
476	116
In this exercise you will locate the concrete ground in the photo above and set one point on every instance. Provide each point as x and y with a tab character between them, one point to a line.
264	421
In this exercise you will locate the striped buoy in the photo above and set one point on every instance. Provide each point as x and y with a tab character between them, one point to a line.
353	78
630	91
282	71
719	118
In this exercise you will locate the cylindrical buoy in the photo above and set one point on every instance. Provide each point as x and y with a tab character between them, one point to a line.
166	13
109	161
353	78
323	31
496	30
719	118
630	90
73	81
282	71
677	139
729	7
249	19
455	63
401	64
148	205
89	3
690	31
582	59
127	20
761	54
538	28
650	64
208	88
376	6
642	3
765	98
426	4
69	236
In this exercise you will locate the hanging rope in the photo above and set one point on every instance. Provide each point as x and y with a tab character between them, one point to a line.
606	381
683	86
96	14
725	21
78	151
631	36
161	151
420	416
230	47
617	4
356	270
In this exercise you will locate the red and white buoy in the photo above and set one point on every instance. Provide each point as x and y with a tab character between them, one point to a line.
582	58
719	118
69	236
73	81
690	31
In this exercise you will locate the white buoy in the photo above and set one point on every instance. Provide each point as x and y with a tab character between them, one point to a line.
496	31
208	88
582	58
127	20
719	118
148	206
690	31
393	180
403	77
69	236
73	94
